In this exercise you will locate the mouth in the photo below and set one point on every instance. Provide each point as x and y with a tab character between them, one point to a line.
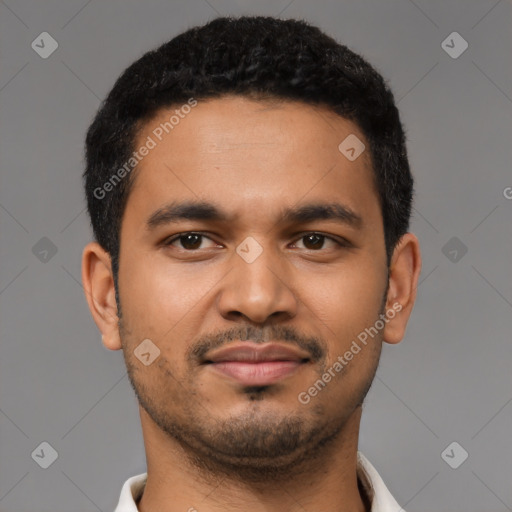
251	364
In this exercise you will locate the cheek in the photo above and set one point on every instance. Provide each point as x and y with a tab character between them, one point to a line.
161	304
350	310
155	295
347	304
347	299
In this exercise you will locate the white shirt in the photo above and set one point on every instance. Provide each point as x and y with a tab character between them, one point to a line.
377	492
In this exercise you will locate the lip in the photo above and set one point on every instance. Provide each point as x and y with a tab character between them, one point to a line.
253	364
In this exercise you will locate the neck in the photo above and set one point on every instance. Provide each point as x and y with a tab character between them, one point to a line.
178	482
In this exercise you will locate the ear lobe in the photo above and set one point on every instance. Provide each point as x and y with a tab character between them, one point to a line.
405	269
98	283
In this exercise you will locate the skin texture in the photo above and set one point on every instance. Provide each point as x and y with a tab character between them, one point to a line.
212	443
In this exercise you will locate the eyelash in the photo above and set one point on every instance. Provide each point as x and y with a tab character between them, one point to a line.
169	241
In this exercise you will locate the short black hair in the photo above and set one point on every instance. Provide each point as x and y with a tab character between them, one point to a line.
261	58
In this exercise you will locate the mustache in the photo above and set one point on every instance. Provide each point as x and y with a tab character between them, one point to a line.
311	344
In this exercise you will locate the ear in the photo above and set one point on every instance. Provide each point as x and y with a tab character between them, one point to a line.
98	283
404	272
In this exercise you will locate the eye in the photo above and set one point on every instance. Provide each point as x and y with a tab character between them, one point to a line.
189	241
315	241
192	241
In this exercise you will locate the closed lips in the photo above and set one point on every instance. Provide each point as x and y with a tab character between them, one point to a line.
248	364
250	352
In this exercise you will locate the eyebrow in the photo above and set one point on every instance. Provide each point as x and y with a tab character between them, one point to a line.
201	210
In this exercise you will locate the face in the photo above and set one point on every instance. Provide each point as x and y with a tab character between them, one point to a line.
228	240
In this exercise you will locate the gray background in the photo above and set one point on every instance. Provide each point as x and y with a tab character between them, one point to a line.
449	380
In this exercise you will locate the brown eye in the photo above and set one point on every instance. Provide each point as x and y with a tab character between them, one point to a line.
190	241
316	241
187	241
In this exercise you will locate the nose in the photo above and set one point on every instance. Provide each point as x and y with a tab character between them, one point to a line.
257	290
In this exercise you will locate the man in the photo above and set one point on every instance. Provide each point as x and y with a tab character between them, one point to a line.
250	195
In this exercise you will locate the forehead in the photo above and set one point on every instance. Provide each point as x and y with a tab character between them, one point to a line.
251	156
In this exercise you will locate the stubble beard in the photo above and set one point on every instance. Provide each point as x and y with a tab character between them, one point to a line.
256	446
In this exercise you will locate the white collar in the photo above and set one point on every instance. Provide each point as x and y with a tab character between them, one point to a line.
379	495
